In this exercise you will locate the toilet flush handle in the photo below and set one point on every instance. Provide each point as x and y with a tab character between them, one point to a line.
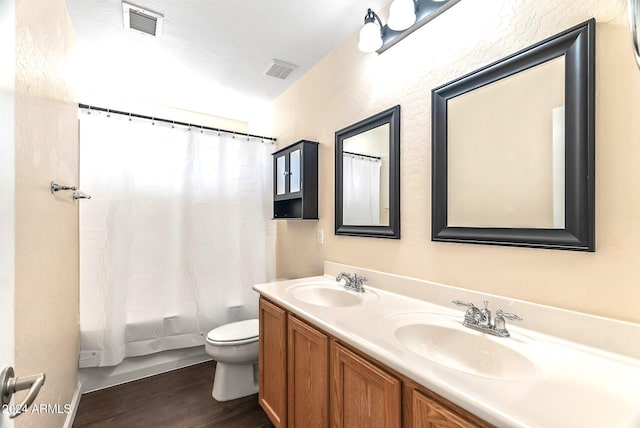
9	385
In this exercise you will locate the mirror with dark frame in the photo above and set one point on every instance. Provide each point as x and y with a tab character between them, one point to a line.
513	156
368	177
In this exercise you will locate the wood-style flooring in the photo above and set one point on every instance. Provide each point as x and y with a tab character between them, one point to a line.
180	398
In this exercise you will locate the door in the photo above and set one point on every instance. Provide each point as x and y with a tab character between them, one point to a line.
424	409
7	186
428	413
362	394
308	394
281	175
287	172
272	362
295	171
6	309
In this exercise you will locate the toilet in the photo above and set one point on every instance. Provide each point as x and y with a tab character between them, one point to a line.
234	346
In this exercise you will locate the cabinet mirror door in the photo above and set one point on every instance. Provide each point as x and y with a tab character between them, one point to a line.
280	175
294	171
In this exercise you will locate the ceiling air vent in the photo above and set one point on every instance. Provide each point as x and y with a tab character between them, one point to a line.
141	20
279	69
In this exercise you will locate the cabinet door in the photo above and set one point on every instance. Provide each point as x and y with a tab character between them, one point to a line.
362	395
280	175
308	376
421	410
272	392
295	171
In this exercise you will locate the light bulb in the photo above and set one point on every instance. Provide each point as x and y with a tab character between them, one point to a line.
370	37
402	15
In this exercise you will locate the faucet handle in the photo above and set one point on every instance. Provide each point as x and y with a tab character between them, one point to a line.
461	303
507	315
344	275
472	316
499	324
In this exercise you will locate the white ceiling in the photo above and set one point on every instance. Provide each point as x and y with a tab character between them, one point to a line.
212	53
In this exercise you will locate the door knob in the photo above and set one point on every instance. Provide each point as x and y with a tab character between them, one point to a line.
9	385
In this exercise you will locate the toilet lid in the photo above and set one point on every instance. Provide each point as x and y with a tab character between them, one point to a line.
236	331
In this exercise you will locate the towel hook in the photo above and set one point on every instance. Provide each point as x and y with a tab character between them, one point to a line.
80	195
55	187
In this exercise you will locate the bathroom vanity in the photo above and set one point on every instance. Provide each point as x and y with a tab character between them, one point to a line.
309	378
334	357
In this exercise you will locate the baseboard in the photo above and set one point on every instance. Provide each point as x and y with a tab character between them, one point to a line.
75	402
135	368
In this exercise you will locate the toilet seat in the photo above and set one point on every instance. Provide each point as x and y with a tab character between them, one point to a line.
236	333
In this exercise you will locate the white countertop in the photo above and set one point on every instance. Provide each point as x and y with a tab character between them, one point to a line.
574	385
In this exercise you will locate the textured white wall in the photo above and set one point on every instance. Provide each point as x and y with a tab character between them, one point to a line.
46	225
348	86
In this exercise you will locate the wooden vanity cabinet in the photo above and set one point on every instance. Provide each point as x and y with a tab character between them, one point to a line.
308	379
362	394
272	362
308	371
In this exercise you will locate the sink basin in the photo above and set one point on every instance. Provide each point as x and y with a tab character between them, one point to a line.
443	340
328	295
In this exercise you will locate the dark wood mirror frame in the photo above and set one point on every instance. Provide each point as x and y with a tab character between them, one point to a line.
392	231
578	46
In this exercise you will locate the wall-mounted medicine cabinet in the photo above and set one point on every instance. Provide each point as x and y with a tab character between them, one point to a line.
295	182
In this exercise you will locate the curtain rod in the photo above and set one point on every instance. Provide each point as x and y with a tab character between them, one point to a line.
360	154
173	122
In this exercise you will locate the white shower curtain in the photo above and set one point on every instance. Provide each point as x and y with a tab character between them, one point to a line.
176	233
361	190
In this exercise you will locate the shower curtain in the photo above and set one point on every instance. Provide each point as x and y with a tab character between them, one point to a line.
361	190
176	233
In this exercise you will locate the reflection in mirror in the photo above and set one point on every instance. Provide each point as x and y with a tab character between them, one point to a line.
506	163
368	177
280	176
513	149
294	162
365	178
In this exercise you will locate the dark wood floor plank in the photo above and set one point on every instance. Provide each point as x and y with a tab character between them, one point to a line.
180	398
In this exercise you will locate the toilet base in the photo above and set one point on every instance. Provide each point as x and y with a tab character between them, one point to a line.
233	381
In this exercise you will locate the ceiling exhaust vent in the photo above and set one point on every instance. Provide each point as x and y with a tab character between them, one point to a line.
141	20
279	69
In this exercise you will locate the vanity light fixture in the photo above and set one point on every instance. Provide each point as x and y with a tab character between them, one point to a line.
402	14
370	33
405	16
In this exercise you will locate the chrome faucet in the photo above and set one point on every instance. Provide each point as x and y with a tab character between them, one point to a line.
355	282
480	319
485	315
